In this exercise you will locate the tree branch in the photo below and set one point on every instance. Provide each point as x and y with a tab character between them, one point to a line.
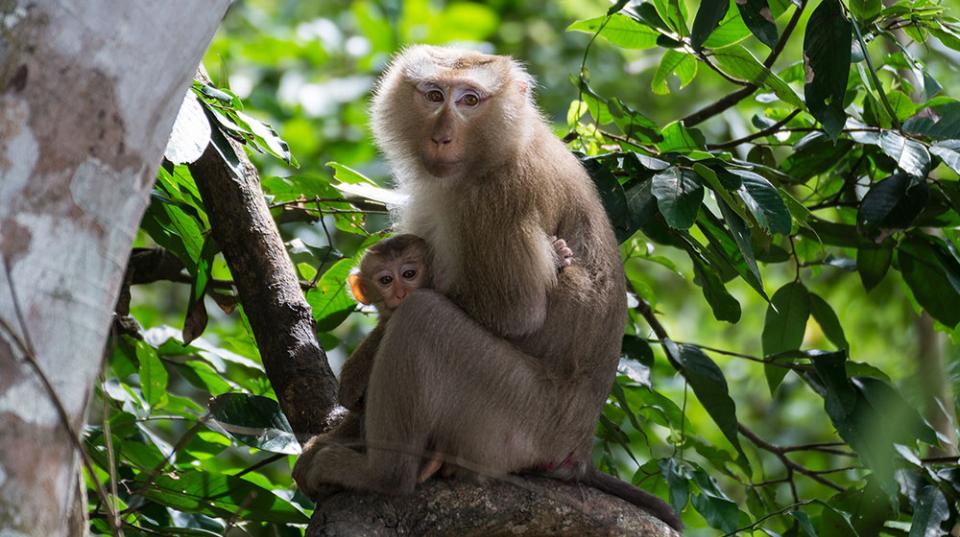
732	99
267	285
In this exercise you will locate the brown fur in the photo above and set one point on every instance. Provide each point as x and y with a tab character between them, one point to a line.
507	364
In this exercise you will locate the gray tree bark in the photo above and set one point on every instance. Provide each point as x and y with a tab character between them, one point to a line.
88	95
512	507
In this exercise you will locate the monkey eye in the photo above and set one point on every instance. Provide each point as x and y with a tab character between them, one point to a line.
409	274
470	99
434	96
386	280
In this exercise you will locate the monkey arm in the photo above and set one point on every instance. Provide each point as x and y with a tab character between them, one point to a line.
508	284
356	370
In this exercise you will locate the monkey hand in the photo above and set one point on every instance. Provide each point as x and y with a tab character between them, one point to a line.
563	252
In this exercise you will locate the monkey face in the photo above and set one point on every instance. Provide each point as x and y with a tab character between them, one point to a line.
396	280
449	108
447	113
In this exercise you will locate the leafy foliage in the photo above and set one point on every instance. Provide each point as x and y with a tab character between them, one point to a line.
788	167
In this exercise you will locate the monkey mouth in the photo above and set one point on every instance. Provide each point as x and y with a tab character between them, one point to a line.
443	167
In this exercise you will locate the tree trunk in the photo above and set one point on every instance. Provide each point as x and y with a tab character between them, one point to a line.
88	95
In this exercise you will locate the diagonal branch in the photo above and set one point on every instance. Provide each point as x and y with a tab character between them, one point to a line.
735	97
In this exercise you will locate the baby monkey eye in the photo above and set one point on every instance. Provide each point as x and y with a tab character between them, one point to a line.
435	96
385	280
409	274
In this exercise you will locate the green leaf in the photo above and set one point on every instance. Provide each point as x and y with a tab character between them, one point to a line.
708	17
621	30
940	122
815	154
865	10
930	281
756	14
153	374
346	174
722	303
330	300
929	514
735	246
637	349
613	198
949	151
632	123
221	496
678	138
267	139
826	59
828	321
731	30
893	203
912	157
716	507
679	195
803	521
872	264
673	62
764	202
678	477
255	421
739	63
835	523
901	422
710	386
783	328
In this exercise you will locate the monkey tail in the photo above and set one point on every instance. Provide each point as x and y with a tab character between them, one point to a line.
626	491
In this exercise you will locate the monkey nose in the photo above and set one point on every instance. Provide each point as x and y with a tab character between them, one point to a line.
441	139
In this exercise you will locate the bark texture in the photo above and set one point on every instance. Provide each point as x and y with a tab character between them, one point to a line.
529	506
88	95
268	287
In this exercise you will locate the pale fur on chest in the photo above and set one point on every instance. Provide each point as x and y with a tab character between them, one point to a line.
428	215
434	214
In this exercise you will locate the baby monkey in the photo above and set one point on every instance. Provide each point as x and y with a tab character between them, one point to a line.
389	271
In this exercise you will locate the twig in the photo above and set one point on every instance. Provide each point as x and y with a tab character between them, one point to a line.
874	77
187	437
765	132
28	351
111	459
771	360
791	466
744	92
269	460
768	516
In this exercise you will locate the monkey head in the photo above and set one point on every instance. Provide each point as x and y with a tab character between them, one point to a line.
441	112
389	271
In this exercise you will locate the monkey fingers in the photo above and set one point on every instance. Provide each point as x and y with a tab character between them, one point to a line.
564	253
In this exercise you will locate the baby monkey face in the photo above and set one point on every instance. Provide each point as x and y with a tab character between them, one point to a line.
396	279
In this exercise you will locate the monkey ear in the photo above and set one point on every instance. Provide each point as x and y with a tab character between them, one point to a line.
356	286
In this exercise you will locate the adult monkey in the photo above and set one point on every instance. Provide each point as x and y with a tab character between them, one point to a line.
507	364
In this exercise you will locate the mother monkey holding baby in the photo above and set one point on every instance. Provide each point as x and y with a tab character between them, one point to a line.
505	366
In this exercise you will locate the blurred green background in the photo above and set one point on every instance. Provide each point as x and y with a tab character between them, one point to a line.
308	69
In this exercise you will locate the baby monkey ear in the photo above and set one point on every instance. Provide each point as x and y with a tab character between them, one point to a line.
356	287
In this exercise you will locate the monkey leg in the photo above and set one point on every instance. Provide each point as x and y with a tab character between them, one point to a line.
440	376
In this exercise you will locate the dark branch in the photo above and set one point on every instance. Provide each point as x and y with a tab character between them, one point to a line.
732	99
